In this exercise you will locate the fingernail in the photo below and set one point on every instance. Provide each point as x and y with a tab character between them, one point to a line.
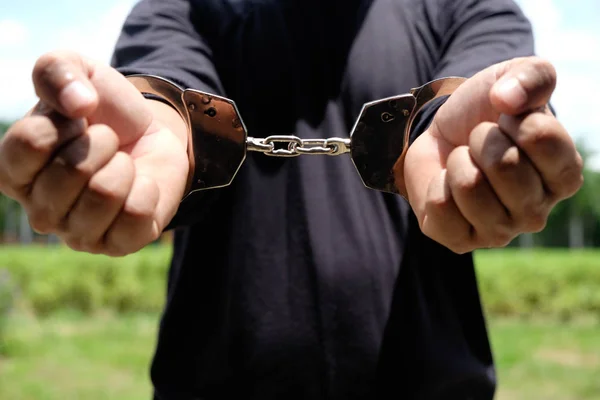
511	91
75	96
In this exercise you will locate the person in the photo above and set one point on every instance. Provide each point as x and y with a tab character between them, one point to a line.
296	281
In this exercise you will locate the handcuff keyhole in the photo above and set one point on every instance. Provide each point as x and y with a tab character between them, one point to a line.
387	117
211	112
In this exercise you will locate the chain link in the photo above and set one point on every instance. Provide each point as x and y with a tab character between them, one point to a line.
296	146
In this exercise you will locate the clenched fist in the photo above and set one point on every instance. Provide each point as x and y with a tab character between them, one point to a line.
94	162
494	161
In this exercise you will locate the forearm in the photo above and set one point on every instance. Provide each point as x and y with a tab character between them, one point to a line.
159	38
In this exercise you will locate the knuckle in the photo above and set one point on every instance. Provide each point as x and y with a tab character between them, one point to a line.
101	189
81	245
116	252
497	154
50	61
46	60
541	133
139	216
438	204
535	219
39	221
98	193
504	163
460	243
501	238
79	171
491	237
74	243
468	183
461	247
571	178
83	156
32	135
103	137
46	67
117	248
106	132
545	69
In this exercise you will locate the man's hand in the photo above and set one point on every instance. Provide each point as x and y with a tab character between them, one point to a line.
494	161
94	162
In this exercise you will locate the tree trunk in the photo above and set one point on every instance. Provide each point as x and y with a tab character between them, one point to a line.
526	241
576	232
52	239
10	222
25	232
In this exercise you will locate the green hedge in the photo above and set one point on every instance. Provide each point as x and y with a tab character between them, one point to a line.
540	283
544	283
51	278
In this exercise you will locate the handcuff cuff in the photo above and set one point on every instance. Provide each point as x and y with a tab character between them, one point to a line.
218	140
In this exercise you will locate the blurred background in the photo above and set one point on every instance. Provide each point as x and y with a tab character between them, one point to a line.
79	326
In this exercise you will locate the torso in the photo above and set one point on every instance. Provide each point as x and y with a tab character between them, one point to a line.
285	288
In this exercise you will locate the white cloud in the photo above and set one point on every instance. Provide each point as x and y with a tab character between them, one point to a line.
12	34
15	86
98	43
574	50
18	95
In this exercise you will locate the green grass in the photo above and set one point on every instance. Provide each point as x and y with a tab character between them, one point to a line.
69	356
549	283
550	361
73	357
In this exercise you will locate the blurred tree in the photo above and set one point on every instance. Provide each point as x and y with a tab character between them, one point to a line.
13	220
573	219
4	125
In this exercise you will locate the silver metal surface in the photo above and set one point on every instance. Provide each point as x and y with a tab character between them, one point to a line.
218	139
216	132
379	139
297	146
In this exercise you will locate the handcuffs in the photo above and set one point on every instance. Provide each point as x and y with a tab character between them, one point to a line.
218	140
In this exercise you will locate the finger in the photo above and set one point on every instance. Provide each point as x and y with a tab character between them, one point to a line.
99	204
524	84
477	202
513	178
59	184
475	101
442	220
28	145
136	224
550	148
62	78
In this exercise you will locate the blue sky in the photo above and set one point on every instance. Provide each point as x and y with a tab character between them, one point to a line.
566	32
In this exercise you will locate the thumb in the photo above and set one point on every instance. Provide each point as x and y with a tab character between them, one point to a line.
524	84
77	87
512	87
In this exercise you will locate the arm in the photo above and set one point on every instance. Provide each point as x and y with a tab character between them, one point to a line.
159	38
494	160
472	35
120	159
475	34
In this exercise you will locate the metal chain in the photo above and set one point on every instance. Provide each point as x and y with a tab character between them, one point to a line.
296	146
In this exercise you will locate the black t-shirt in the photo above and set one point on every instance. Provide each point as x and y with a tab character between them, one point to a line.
297	282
